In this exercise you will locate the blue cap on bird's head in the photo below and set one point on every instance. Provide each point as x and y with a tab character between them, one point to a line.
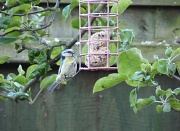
67	52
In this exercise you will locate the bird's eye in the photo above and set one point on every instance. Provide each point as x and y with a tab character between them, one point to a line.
102	35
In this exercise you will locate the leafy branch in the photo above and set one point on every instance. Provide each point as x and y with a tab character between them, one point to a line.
39	28
37	51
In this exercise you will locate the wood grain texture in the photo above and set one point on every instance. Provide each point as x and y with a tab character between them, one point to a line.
73	107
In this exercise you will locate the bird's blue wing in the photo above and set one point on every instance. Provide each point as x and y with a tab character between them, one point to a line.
61	63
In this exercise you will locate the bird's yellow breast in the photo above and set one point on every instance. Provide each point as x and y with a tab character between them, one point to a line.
68	59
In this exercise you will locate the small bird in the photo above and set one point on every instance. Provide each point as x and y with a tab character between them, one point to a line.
66	70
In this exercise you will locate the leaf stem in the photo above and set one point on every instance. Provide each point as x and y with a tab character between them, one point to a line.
176	77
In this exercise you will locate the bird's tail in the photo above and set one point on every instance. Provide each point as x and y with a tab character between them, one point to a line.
52	87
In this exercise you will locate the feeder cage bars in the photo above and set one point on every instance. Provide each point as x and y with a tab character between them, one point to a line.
98	48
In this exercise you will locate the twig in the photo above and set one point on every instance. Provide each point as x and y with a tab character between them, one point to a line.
32	101
24	47
33	12
176	77
40	28
30	83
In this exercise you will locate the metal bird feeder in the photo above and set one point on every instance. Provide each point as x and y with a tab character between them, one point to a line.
98	48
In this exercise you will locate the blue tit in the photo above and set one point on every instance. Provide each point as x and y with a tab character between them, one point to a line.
67	68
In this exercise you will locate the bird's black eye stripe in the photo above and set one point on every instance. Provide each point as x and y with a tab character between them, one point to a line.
62	57
70	52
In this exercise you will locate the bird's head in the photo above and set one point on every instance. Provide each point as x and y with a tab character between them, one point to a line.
68	52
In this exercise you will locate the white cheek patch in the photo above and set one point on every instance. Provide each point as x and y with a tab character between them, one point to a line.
67	54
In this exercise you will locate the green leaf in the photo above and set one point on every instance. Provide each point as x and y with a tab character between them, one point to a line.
130	62
11	29
137	75
32	54
169	92
129	34
56	51
11	76
103	21
160	92
177	91
133	98
175	53
14	34
159	108
122	5
136	83
67	10
10	2
21	9
141	103
1	77
17	94
83	10
113	49
75	23
107	82
21	80
4	22
145	67
18	85
168	51
30	70
47	81
162	66
74	4
7	40
178	66
138	79
167	107
174	103
20	70
40	70
154	69
3	59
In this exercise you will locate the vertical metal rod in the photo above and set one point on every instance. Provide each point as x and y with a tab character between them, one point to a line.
108	17
89	32
80	62
117	32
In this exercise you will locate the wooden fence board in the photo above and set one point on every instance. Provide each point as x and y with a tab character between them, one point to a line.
73	107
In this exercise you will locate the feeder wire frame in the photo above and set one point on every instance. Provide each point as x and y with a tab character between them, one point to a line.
89	29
